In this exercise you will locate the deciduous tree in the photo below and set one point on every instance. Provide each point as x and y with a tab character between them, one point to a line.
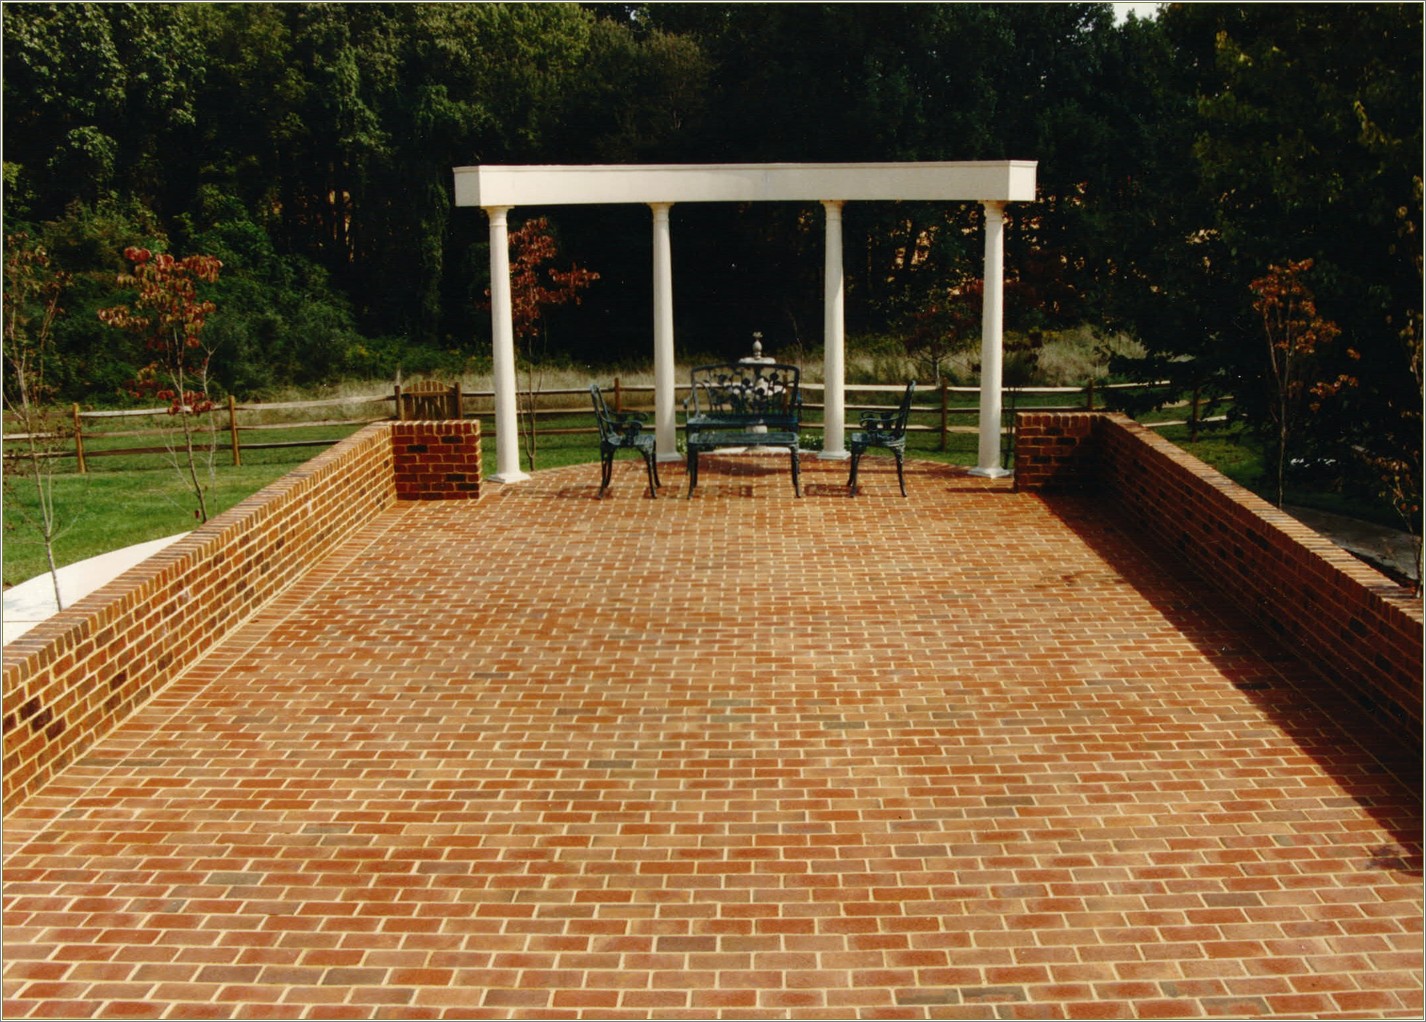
536	287
1296	337
33	288
168	314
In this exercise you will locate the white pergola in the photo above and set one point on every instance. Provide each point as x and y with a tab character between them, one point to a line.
497	190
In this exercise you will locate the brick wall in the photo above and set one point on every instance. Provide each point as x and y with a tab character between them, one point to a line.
72	679
1363	630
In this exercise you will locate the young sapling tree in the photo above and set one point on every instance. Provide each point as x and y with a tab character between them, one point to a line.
534	288
168	315
1295	336
33	288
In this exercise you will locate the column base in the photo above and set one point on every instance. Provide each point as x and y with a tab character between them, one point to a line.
834	455
508	477
664	459
991	473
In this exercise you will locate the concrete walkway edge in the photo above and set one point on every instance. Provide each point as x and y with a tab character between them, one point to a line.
32	601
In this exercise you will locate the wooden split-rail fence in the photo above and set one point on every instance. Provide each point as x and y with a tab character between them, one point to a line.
91	434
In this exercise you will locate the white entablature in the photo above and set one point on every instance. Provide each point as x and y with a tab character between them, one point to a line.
1003	181
498	189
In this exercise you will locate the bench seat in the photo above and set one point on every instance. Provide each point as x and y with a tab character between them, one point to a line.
712	440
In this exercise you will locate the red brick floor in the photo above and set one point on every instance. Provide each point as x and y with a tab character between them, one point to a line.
974	754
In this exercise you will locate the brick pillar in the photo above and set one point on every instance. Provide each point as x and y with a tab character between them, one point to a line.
436	460
1055	451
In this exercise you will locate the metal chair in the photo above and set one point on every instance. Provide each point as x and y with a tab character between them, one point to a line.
622	430
886	430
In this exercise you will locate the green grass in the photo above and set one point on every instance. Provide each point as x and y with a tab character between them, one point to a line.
1235	454
128	499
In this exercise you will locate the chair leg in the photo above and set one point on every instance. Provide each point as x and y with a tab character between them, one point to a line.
796	473
606	471
852	478
692	469
900	475
653	475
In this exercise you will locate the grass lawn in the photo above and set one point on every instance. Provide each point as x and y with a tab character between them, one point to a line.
1233	454
128	499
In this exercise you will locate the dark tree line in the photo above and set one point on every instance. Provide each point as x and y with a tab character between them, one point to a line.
310	147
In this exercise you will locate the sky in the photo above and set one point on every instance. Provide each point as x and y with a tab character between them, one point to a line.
1121	11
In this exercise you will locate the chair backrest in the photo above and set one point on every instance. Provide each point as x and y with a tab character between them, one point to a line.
904	412
428	400
601	414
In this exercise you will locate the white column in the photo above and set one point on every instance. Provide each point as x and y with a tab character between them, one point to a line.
991	327
665	421
502	335
834	341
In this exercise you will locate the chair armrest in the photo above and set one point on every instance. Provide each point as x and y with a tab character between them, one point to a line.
878	421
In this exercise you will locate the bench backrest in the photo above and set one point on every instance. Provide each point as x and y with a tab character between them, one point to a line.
745	393
428	400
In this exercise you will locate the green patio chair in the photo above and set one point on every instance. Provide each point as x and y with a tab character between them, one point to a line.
622	431
886	430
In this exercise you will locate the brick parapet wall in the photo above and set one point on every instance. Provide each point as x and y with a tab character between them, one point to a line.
437	460
1362	630
72	679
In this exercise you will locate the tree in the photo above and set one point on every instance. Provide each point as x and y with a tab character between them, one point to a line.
33	289
99	100
1281	128
169	316
534	288
1296	338
947	324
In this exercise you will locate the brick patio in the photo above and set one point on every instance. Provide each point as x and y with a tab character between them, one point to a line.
973	754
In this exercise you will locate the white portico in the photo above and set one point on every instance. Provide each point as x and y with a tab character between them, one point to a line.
499	189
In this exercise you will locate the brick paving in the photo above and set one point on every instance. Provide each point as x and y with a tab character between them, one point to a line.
973	754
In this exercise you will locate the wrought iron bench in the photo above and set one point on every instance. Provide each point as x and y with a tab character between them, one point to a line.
622	431
743	404
886	430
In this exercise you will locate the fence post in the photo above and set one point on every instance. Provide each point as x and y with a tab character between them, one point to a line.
456	410
79	442
618	397
399	414
233	429
1089	395
1193	418
945	411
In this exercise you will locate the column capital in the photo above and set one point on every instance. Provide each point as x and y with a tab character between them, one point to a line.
497	213
660	208
833	205
994	208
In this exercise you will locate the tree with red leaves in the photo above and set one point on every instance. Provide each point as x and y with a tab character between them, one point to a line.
534	288
1295	335
168	315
